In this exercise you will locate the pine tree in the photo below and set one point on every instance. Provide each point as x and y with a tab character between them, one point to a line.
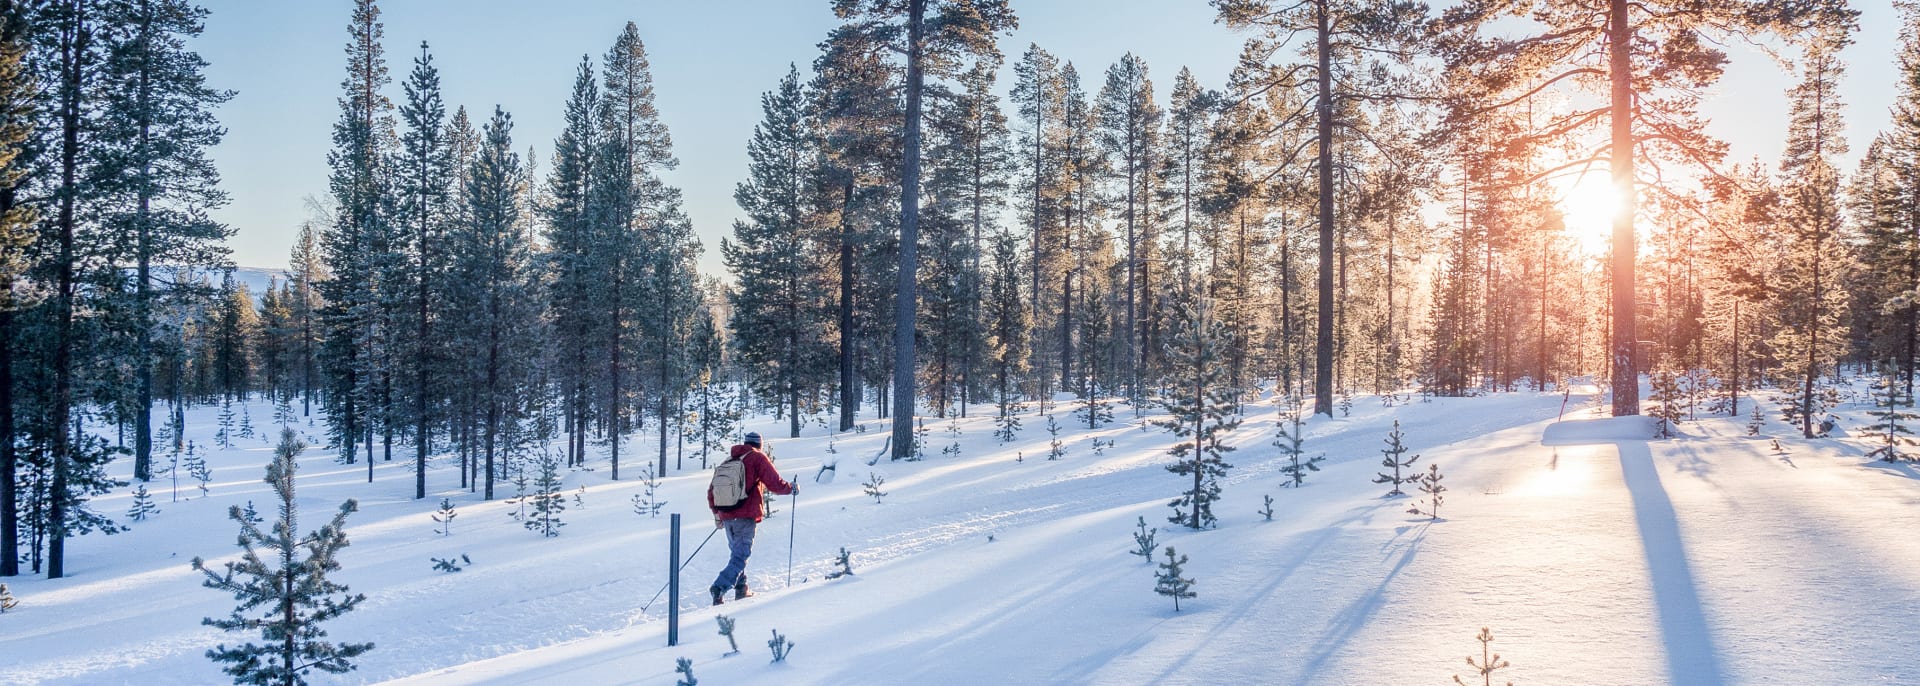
647	503
774	256
157	119
1202	410
1006	331
1808	302
1129	133
196	465
872	487
492	254
1168	581
444	517
296	595
781	646
684	666
355	246
1266	507
1143	544
1430	485
18	99
1289	442
1891	421
1666	401
1394	450
7	601
933	36
424	186
143	506
548	501
845	561
1489	661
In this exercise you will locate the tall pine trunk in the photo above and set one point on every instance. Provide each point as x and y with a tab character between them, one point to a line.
849	384
907	301
75	48
1323	346
1625	366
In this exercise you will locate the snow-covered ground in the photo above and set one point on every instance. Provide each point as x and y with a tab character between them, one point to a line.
1596	557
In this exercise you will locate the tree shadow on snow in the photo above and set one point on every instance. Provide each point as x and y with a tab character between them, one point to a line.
1360	612
1692	657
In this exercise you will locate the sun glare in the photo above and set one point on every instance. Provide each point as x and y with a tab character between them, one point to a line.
1590	204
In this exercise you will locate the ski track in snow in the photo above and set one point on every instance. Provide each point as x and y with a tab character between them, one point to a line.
1705	559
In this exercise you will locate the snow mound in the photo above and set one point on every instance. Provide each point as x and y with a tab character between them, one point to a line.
1610	429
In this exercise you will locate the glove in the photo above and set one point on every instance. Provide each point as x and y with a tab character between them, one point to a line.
794	488
716	521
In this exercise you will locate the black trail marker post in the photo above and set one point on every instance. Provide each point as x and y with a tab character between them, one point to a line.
673	582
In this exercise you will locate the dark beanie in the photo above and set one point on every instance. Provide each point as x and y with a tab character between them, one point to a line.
753	438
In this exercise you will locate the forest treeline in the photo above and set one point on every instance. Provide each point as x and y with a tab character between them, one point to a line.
1370	203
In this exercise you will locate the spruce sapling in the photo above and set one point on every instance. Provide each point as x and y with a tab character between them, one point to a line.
872	487
726	629
1006	424
647	502
1666	401
7	601
846	565
1170	583
1346	402
684	666
1267	509
1430	485
296	595
1891	423
197	468
143	506
1054	451
444	517
1393	451
1143	544
1757	422
224	436
246	422
781	646
1289	443
580	497
919	451
1489	661
548	502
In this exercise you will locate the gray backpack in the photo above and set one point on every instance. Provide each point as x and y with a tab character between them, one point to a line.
729	485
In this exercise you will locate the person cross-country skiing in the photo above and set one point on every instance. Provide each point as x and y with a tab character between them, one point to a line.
735	498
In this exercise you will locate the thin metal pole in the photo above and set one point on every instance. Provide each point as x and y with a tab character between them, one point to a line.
673	582
793	517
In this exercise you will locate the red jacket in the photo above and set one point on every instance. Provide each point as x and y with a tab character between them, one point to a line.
760	474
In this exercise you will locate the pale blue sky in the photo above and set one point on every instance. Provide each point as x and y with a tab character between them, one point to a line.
711	61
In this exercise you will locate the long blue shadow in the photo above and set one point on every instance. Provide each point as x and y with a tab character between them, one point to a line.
1691	656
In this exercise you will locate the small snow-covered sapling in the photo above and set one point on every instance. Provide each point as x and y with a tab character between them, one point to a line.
444	517
684	666
726	629
448	565
7	601
846	564
872	487
1429	485
1054	451
781	646
1393	451
580	497
1170	583
1267	509
143	506
1489	661
1143	544
1757	421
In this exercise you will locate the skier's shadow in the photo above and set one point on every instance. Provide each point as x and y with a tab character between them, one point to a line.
1692	657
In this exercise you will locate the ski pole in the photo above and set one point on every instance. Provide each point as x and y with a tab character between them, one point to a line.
683	565
793	521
